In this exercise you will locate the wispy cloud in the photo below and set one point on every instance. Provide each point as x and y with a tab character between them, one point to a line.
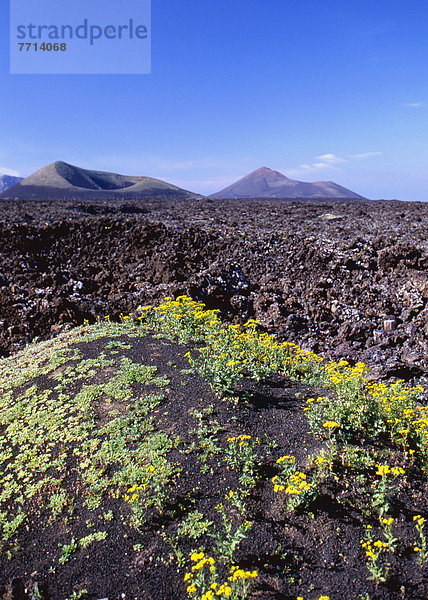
329	162
323	163
330	159
414	104
6	171
365	155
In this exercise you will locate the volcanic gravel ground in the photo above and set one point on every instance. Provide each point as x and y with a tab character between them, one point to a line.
344	278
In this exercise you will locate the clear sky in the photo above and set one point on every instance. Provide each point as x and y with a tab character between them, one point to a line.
317	89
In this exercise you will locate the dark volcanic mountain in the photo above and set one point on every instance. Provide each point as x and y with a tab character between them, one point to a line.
7	181
265	183
62	181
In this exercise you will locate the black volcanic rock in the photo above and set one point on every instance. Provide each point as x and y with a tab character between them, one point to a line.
7	181
265	183
347	279
61	181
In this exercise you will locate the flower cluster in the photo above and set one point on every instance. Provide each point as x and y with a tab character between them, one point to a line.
297	484
293	483
383	488
374	551
133	494
202	580
153	487
407	421
320	598
387	470
288	467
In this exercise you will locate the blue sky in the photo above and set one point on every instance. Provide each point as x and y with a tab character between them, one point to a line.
319	90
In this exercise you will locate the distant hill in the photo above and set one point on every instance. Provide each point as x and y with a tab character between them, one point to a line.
265	183
7	181
59	180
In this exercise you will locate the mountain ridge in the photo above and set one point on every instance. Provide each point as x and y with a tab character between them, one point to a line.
267	183
61	180
7	181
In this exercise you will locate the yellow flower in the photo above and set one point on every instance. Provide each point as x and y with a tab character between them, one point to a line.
191	589
330	424
196	557
382	470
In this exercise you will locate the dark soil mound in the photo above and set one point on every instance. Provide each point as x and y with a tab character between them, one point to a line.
85	416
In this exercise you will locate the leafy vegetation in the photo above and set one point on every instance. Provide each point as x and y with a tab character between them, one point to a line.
98	441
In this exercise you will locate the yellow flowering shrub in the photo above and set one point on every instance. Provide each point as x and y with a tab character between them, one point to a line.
230	351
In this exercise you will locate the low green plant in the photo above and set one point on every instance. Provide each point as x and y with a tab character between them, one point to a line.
237	499
97	536
228	538
153	489
207	432
383	488
178	555
58	502
391	541
356	458
375	561
421	547
67	550
293	484
77	595
241	456
11	527
194	525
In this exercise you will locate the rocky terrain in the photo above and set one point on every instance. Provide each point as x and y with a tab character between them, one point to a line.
344	278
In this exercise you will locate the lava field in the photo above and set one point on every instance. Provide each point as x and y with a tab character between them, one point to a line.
347	279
